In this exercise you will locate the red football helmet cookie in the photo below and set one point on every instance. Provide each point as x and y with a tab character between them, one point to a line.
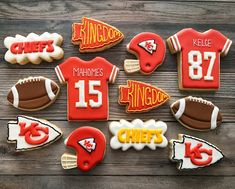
150	49
89	144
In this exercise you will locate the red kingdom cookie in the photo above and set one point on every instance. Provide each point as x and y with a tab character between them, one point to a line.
89	144
199	58
87	87
150	50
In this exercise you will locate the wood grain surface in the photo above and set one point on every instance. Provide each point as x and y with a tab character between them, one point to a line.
130	169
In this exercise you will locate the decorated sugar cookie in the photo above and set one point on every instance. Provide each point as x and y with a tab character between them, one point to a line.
33	93
196	113
191	152
89	144
87	87
141	96
30	133
138	134
93	35
150	50
199	57
33	48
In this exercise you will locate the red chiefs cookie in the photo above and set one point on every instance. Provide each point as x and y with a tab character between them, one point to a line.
141	96
89	144
199	60
150	50
87	87
93	35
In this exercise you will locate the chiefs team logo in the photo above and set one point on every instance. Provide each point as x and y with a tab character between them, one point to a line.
88	144
149	45
30	133
192	152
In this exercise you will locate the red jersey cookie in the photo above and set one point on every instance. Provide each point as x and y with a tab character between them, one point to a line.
87	87
31	133
141	96
191	152
89	144
92	35
150	50
199	62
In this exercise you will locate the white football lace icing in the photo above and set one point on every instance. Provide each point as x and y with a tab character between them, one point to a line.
34	57
195	99
30	79
115	126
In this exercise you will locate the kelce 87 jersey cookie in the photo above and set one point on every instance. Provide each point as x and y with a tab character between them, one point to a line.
87	87
199	61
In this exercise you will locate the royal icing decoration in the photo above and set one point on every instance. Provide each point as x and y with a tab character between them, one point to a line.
31	133
33	93
33	48
141	96
89	144
138	134
199	60
191	152
93	35
196	113
87	87
150	50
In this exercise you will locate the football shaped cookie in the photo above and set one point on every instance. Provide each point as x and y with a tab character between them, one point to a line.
196	113
33	93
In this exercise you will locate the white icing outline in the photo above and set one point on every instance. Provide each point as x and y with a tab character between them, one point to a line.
50	93
15	97
181	109
214	116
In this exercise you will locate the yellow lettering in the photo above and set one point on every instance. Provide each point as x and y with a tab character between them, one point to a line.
110	33
105	33
151	132
158	138
92	33
148	96
144	136
100	37
120	134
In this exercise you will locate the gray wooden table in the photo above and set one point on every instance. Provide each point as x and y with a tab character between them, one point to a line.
130	169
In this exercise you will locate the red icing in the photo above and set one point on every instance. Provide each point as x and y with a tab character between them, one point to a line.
201	47
141	96
149	59
32	47
32	131
94	35
195	154
87	158
87	87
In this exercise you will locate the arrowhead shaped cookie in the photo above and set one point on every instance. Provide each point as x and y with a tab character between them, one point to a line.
141	96
191	152
31	133
93	35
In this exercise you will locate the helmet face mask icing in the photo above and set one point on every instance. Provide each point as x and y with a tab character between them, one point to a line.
150	50
89	144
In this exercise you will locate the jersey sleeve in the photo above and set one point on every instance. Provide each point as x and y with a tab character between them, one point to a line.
110	71
223	43
62	71
174	43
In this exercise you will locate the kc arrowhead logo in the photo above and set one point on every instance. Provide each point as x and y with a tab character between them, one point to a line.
93	35
141	96
88	144
192	152
30	133
148	45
